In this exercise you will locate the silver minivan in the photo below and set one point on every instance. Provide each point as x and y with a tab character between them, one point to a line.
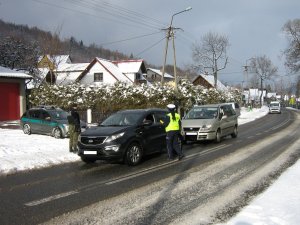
210	122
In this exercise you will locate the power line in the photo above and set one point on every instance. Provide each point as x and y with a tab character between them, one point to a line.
139	15
113	11
156	43
116	14
128	39
77	11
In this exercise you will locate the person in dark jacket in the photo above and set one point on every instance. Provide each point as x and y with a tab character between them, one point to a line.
172	124
74	128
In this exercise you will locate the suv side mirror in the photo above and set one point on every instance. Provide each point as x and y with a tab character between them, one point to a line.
147	122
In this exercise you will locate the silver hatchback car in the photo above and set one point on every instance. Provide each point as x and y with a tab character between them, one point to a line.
210	122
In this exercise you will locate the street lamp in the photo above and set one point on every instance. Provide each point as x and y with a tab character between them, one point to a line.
170	33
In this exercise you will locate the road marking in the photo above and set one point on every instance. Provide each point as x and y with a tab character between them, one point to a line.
51	198
123	178
280	125
152	169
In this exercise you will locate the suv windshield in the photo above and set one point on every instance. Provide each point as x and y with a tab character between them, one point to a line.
202	113
122	119
58	114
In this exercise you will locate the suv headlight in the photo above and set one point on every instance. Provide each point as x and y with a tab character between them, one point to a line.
114	137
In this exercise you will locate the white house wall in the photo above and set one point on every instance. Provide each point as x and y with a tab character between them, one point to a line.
131	75
97	68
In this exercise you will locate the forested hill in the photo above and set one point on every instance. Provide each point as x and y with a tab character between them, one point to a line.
49	43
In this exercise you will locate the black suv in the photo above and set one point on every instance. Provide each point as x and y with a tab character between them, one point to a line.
48	120
126	135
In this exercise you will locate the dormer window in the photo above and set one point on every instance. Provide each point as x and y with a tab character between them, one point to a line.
98	77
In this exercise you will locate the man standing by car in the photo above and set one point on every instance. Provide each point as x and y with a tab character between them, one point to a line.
173	124
74	128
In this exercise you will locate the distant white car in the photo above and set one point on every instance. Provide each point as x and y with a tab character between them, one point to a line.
274	107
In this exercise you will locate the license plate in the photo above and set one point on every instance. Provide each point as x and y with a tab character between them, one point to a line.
190	133
90	152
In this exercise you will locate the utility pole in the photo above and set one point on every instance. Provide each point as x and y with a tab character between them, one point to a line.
170	33
166	52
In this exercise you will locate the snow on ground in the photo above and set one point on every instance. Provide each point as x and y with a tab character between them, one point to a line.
279	204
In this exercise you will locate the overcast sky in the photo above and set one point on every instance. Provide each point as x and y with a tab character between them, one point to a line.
253	27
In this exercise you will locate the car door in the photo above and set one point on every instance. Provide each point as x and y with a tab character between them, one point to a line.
46	122
160	116
34	120
152	134
228	120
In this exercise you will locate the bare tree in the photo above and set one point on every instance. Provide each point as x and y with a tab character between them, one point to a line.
292	53
264	69
211	53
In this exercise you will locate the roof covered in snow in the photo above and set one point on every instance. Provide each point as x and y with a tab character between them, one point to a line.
113	70
110	67
130	66
6	72
67	73
210	79
160	73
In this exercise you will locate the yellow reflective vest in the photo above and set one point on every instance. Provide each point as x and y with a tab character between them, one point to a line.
174	124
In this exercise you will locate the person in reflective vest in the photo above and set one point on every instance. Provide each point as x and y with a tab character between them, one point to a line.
173	126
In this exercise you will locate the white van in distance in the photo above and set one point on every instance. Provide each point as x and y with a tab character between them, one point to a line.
274	107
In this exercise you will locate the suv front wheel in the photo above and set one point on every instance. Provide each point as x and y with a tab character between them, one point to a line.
134	154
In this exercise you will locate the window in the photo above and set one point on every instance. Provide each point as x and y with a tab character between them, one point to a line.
34	114
149	117
137	76
44	115
228	110
98	77
160	116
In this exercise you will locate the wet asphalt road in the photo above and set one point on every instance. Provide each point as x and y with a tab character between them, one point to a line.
36	196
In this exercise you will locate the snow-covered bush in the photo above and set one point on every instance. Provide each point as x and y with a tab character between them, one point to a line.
108	98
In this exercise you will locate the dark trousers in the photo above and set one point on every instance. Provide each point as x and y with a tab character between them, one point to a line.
173	144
